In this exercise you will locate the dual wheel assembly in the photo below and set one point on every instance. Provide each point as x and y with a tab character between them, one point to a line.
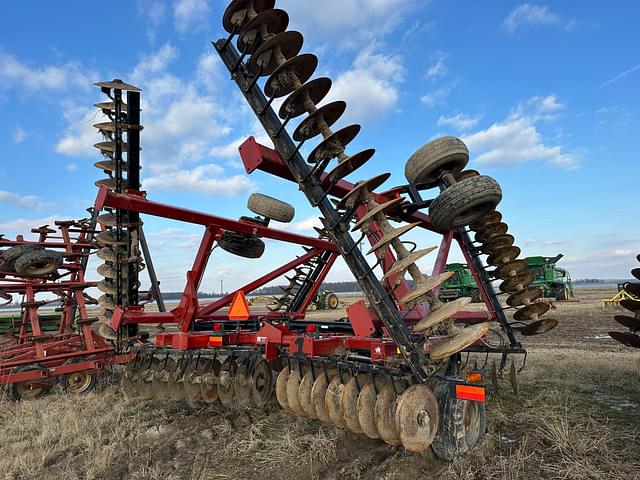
393	410
79	382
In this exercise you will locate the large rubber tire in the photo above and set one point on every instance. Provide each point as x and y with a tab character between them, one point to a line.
22	390
465	202
241	245
462	424
332	301
10	255
270	207
39	263
446	154
560	293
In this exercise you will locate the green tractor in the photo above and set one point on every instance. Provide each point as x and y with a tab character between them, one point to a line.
461	284
325	300
554	281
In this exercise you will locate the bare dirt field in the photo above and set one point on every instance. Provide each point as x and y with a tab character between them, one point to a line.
577	416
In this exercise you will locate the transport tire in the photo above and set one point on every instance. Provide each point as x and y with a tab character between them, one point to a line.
465	202
80	382
332	301
31	389
462	424
242	245
10	255
270	207
38	263
427	164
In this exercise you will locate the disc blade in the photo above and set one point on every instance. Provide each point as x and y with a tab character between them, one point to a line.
281	388
632	305
361	190
517	282
333	400
318	394
468	336
524	296
417	417
366	410
626	338
262	384
304	395
401	265
438	316
531	311
392	235
424	286
384	412
629	322
539	327
291	74
350	403
636	273
633	289
334	145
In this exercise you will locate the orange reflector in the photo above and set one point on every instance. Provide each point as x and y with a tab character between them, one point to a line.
239	309
215	341
474	377
468	392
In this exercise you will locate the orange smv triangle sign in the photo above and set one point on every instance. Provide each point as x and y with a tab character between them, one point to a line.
239	309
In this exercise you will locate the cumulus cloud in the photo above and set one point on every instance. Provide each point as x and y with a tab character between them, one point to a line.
42	78
438	96
353	22
208	179
307	224
438	68
154	12
80	135
154	62
517	139
190	15
461	121
29	202
534	15
370	87
23	226
19	135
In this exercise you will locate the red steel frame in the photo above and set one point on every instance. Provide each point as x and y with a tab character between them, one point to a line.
67	350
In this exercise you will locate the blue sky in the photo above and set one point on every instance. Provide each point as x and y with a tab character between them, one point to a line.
545	95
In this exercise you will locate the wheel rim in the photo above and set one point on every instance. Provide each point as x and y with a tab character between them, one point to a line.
471	424
29	390
79	382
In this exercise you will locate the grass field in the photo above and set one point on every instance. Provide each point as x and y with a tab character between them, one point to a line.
577	416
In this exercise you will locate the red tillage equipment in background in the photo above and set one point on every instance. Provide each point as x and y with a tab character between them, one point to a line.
50	271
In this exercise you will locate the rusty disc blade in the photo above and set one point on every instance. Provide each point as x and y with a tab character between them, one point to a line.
110	183
524	297
503	255
488	218
390	236
417	418
191	384
107	287
384	413
117	85
539	327
176	383
109	238
237	15
159	390
267	23
107	302
467	337
531	311
632	289
312	93
110	107
446	311
324	117
290	75
517	282
401	265
509	269
380	208
281	388
636	273
632	305
226	381
110	147
361	190
348	166
497	242
334	145
629	322
350	403
304	395
491	230
242	387
293	384
109	166
318	394
107	271
146	377
262	384
626	338
333	400
268	57
108	127
424	286
366	410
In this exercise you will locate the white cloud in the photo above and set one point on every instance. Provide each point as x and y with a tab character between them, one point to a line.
23	226
154	63
528	14
154	12
517	139
353	22
29	202
67	76
438	96
208	179
190	15
461	121
80	134
209	72
307	225
72	167
370	87
19	135
438	68
620	76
